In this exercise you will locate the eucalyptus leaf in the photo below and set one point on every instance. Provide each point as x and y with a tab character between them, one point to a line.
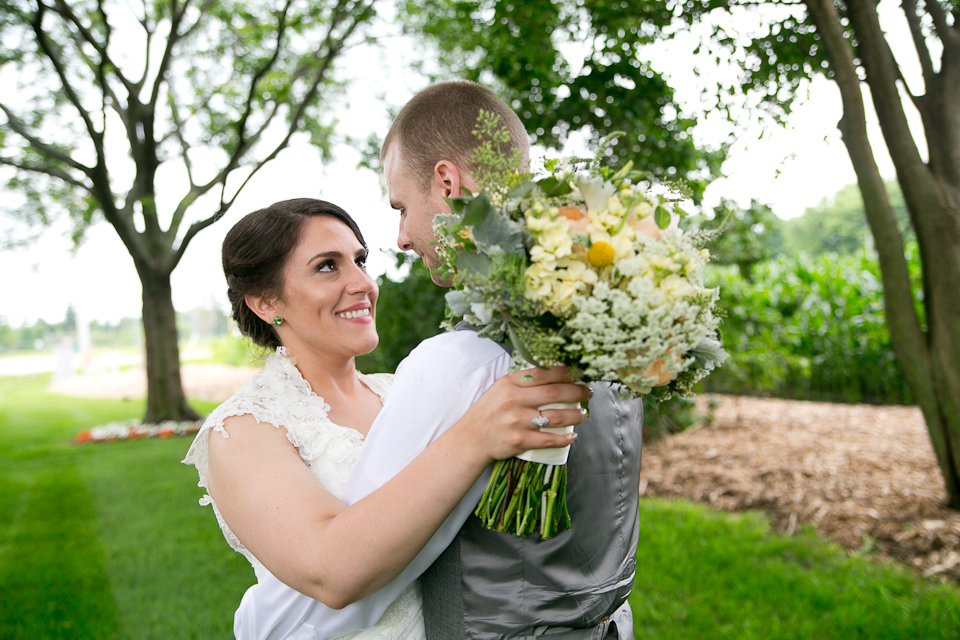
521	190
458	204
458	302
478	209
483	312
469	262
497	232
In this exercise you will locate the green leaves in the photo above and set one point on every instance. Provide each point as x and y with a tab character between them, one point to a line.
810	328
469	262
662	217
551	187
521	190
477	210
495	159
493	231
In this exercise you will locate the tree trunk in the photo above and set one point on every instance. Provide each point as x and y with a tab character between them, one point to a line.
929	360
165	397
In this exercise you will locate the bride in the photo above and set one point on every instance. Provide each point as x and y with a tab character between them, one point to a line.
275	457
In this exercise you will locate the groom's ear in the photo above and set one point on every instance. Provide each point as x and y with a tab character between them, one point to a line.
446	178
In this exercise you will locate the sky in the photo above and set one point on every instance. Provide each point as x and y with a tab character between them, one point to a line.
790	168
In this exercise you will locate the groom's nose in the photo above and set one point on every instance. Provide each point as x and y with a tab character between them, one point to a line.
403	240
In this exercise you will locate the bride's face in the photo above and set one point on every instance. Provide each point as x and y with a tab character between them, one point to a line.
328	303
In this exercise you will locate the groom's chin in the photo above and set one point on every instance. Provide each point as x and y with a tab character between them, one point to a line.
443	282
435	275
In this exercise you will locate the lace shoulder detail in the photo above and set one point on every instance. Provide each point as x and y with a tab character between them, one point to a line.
379	383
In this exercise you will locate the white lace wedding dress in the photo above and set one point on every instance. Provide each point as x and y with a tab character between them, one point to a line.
280	396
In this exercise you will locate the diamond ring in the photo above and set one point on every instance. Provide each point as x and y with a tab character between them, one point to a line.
540	421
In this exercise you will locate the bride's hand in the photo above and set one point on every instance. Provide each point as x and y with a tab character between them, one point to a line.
503	416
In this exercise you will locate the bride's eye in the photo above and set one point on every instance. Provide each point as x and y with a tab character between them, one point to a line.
326	266
362	261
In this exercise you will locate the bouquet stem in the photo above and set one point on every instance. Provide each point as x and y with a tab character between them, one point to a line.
524	498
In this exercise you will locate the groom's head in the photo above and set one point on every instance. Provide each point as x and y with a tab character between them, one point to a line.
426	156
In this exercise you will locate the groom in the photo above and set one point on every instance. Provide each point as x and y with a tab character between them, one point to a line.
487	585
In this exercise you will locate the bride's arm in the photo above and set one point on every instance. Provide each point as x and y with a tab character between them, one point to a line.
309	540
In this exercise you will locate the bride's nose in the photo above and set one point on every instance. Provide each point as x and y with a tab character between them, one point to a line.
360	281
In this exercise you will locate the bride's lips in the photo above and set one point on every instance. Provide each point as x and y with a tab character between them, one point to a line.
360	313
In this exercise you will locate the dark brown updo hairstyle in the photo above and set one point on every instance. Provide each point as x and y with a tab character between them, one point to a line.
255	252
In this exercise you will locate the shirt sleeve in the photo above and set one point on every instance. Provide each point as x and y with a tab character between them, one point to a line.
433	388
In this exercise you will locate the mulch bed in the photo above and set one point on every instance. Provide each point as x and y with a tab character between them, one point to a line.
863	476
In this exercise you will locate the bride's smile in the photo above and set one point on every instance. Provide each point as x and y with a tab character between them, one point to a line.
359	313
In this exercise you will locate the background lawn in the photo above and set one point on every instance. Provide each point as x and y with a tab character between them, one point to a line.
104	540
107	541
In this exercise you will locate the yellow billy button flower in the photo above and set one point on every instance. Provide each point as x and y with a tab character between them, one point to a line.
600	254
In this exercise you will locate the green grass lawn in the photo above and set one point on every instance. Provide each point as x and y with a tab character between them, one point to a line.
107	541
104	540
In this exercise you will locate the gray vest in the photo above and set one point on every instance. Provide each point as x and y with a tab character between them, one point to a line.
493	586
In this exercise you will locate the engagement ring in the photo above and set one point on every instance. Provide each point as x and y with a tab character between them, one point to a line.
541	421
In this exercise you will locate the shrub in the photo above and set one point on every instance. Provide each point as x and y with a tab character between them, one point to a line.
809	328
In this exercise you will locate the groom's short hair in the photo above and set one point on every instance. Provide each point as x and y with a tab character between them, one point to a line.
438	123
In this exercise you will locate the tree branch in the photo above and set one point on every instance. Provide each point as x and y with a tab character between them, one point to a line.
176	17
54	57
333	47
23	131
50	171
194	229
62	9
242	142
919	42
949	36
172	39
203	105
882	74
184	148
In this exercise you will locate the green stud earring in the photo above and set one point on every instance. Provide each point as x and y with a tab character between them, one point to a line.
278	321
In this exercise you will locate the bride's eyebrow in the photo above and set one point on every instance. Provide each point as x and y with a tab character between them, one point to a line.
361	253
325	254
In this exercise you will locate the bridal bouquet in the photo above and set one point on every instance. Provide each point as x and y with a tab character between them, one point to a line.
585	267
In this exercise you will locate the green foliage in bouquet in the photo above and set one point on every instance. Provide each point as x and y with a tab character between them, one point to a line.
494	172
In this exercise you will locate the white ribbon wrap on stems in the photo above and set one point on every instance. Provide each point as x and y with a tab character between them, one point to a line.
557	455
